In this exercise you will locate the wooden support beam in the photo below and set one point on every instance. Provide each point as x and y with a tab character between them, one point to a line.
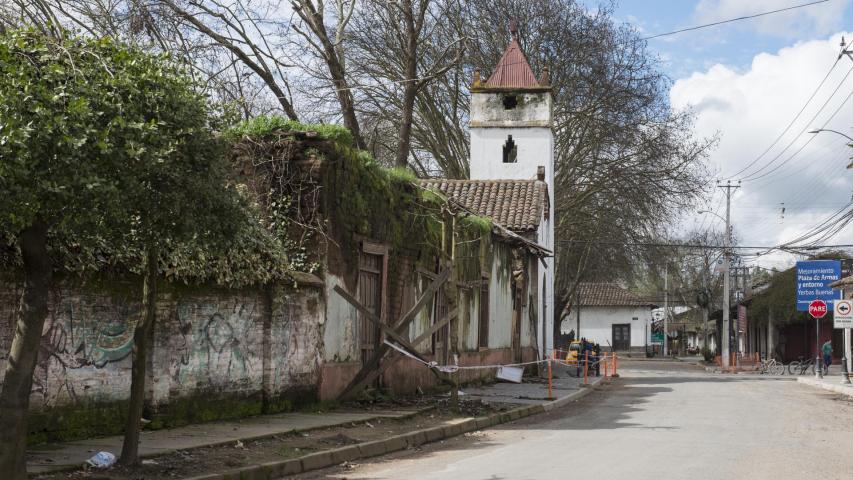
426	297
391	360
436	327
373	318
364	376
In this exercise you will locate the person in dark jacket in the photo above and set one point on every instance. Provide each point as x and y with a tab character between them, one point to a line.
596	350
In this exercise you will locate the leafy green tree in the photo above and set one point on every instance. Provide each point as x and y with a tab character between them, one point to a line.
104	144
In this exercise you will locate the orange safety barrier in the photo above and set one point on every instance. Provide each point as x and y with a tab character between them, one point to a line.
586	367
550	376
615	364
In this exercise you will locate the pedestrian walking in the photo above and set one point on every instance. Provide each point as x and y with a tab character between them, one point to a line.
827	355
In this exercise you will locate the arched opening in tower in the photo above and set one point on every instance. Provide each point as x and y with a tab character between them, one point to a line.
510	150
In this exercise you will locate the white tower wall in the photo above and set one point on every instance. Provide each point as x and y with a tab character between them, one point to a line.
529	122
535	148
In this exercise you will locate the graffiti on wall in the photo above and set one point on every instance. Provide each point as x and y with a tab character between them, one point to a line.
82	332
216	344
294	341
207	342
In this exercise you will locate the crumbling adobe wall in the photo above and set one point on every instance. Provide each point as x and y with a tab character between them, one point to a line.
217	353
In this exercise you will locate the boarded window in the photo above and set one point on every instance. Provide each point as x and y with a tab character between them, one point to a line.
483	340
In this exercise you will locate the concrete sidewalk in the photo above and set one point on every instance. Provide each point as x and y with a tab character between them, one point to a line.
828	382
63	456
68	455
533	391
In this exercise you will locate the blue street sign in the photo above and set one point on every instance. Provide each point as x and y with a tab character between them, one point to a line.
813	279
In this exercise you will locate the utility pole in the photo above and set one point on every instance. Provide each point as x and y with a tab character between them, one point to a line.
726	330
741	276
665	308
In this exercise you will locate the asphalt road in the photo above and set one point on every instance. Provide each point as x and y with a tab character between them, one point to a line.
660	420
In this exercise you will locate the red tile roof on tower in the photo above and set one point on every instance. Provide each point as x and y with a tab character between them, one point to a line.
513	69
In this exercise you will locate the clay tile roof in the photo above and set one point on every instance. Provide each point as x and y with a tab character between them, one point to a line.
595	294
516	204
513	69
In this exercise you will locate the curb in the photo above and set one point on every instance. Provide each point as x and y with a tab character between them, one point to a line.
845	390
76	467
328	458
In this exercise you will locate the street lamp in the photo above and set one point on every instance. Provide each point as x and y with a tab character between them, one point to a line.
848	137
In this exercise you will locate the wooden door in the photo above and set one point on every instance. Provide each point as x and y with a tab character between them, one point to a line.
370	296
621	336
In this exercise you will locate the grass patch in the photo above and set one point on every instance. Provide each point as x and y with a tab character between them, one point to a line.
266	125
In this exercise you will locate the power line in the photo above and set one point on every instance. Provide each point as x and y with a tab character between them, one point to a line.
752	176
696	246
791	123
746	17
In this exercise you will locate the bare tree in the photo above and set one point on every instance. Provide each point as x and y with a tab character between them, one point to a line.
329	47
625	161
399	56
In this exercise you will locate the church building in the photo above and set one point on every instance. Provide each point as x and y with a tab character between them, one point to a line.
512	165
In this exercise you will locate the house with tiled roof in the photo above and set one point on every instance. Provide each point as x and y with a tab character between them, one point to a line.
610	315
512	175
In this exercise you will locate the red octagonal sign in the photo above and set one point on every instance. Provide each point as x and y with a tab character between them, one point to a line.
817	309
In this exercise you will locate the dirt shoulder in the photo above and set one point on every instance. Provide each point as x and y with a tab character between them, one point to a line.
199	461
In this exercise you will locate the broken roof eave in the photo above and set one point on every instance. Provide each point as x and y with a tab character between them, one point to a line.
507	234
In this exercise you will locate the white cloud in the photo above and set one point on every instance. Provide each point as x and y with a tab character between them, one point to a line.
749	109
814	19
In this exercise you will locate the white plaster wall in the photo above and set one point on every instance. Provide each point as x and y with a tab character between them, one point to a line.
500	298
533	109
470	298
529	126
535	147
340	330
597	322
545	237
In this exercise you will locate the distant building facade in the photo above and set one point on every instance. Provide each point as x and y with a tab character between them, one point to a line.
610	315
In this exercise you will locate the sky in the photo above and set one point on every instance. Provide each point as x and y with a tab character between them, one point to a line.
746	82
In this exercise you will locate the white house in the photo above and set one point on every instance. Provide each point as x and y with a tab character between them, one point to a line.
612	316
512	165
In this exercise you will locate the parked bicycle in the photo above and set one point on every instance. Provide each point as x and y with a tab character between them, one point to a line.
801	366
771	367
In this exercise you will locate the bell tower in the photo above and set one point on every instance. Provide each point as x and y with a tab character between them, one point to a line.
512	140
511	121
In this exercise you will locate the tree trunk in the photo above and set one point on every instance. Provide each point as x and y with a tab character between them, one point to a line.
17	384
142	336
410	88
